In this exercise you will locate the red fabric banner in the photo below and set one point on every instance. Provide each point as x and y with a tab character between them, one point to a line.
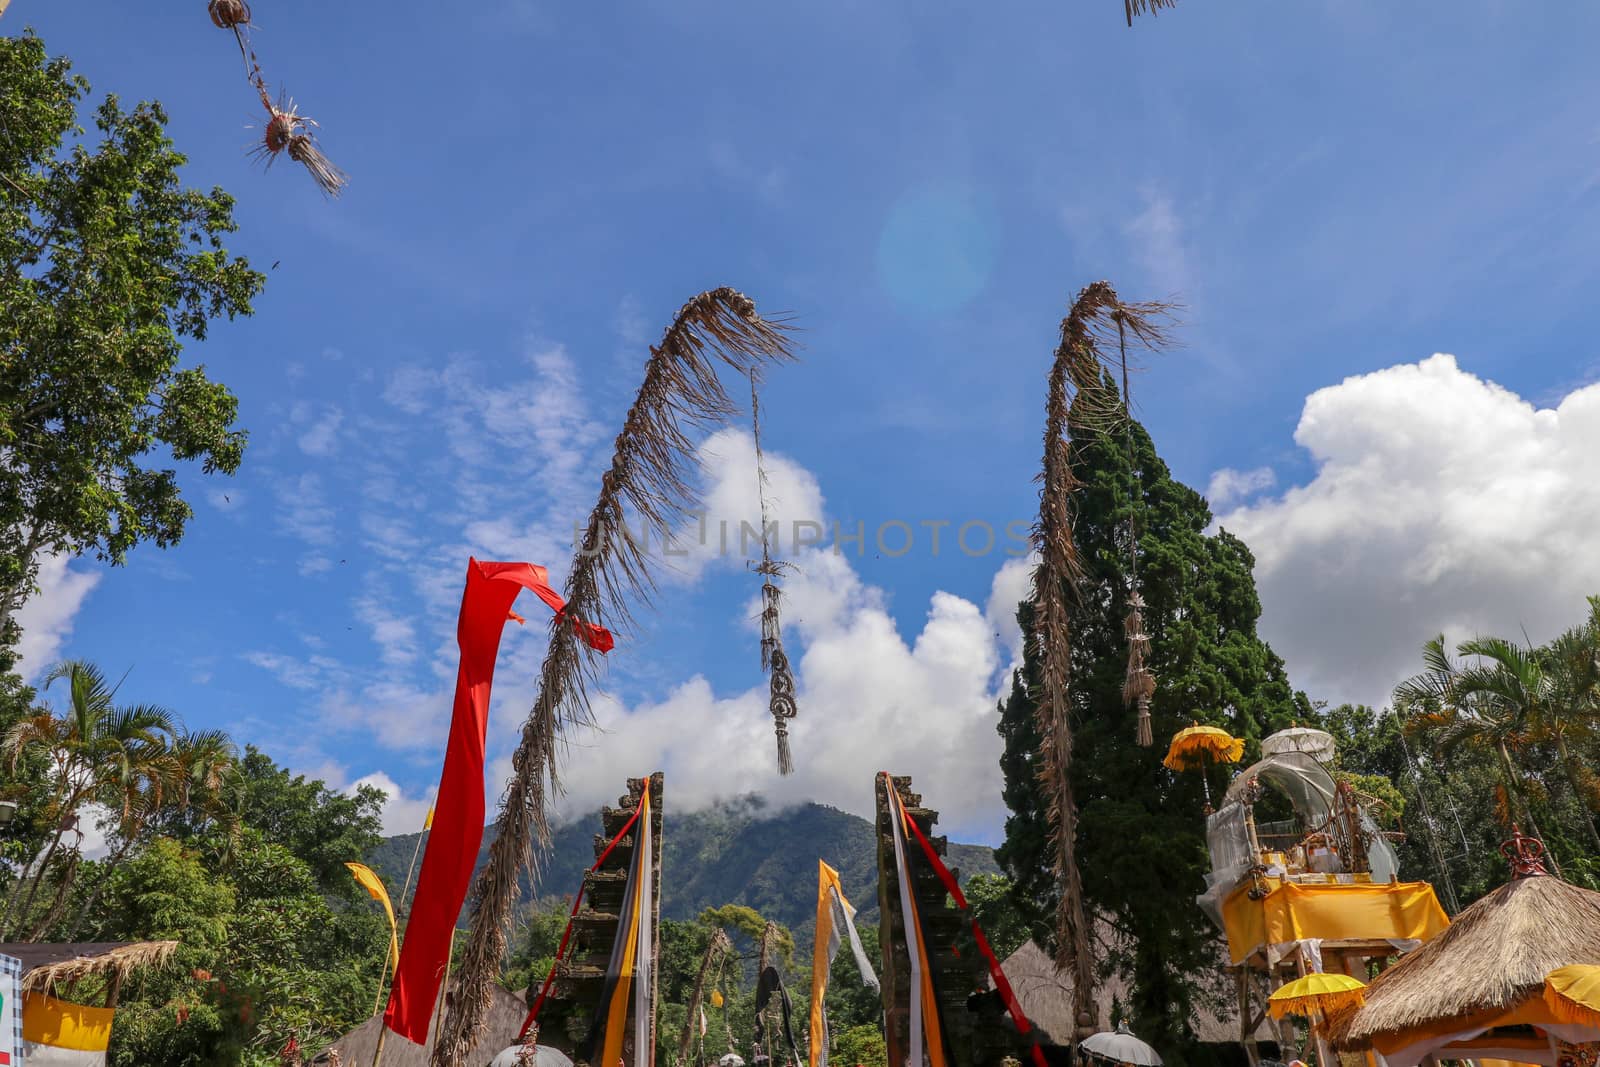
1001	983
458	814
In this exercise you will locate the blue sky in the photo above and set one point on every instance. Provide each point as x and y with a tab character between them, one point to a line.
1335	190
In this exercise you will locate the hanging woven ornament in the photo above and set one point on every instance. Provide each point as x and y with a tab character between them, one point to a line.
229	14
774	661
1139	684
286	131
289	132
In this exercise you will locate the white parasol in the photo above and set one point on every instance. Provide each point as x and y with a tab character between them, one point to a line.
1318	744
1120	1046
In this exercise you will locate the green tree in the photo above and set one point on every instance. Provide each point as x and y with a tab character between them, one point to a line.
860	1046
1493	699
538	935
994	906
1573	661
323	827
107	264
1141	846
96	751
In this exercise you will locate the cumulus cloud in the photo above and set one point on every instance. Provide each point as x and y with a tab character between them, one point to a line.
47	617
871	697
1441	503
1229	487
402	814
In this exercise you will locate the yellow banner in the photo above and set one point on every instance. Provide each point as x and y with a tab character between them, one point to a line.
57	1024
374	886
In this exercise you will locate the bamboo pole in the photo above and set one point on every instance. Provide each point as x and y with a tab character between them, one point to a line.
444	988
405	890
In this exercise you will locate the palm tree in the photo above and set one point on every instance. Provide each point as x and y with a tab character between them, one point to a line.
198	771
1494	704
1573	659
96	750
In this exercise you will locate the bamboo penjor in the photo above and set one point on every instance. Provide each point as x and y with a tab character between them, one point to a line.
1078	401
650	476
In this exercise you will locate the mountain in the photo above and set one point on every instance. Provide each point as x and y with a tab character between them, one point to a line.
739	853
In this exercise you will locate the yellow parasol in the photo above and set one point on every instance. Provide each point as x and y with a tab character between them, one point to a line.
1317	995
1195	745
1573	994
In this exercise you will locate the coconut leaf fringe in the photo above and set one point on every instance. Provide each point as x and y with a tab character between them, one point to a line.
1139	7
781	701
1078	373
286	130
651	467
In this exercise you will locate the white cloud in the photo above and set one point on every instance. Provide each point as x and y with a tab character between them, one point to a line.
1229	487
303	511
402	814
305	674
1012	584
728	532
1441	503
869	700
47	617
1158	242
395	635
321	436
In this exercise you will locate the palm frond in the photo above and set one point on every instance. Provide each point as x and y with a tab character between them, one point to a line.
1139	7
650	477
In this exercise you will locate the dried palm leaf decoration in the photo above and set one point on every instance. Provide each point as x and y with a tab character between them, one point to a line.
1077	402
773	660
1139	685
649	475
286	131
1139	7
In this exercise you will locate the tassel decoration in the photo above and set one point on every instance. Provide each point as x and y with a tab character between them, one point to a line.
289	133
1140	684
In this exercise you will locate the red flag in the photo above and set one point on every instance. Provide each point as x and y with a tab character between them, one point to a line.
458	813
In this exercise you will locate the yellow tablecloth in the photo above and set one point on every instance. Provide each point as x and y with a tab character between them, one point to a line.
1293	912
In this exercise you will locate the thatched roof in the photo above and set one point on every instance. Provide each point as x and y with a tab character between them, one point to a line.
45	966
506	1012
1045	993
1494	956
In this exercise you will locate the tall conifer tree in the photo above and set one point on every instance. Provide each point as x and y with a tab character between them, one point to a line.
1141	840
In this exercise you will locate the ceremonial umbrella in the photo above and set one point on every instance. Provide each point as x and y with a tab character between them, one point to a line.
1573	994
531	1056
1195	746
1318	744
1120	1046
1317	995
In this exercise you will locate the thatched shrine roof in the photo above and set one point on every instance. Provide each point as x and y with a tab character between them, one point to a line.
506	1013
46	966
1493	958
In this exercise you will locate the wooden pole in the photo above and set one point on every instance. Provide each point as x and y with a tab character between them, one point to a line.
383	976
406	889
444	987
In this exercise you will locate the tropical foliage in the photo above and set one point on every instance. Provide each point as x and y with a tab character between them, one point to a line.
108	263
